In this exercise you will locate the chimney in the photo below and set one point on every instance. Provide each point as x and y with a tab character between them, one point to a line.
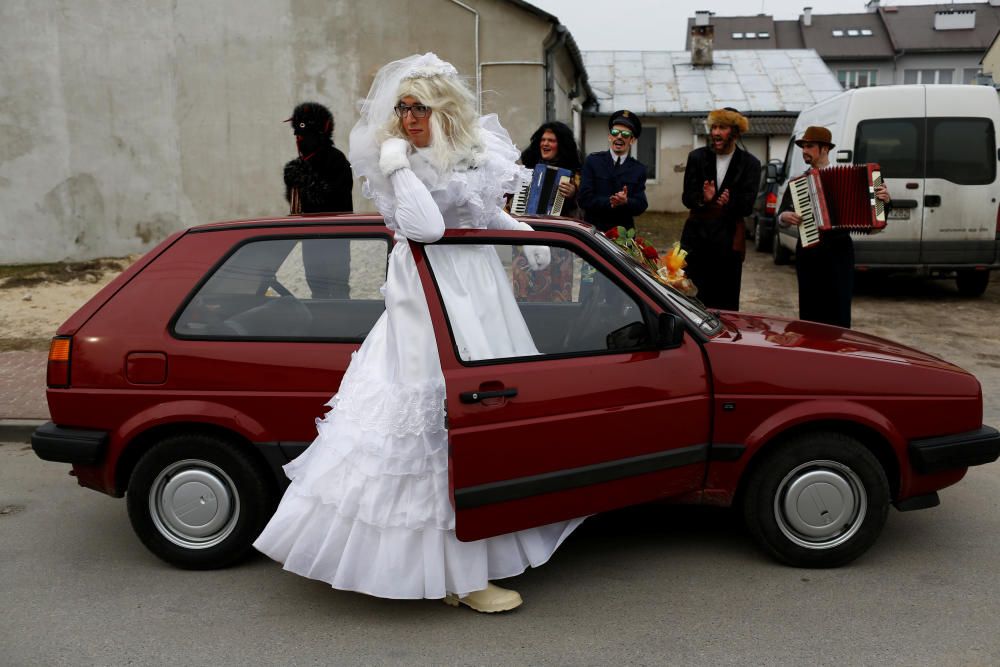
873	5
955	20
703	17
702	37
807	16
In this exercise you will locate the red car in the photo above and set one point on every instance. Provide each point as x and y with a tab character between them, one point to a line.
187	382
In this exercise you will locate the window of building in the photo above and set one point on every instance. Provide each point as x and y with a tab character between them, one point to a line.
646	151
853	33
838	33
751	35
858	78
943	76
764	35
866	32
737	35
971	74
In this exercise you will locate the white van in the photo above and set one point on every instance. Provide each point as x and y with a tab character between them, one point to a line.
937	146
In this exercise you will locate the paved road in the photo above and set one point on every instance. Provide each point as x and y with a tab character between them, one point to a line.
649	586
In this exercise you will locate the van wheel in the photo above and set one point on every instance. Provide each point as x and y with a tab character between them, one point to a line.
198	501
820	500
972	283
779	253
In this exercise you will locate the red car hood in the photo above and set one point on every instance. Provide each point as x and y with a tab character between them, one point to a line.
792	355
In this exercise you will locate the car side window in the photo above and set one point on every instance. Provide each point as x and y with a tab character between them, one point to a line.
896	144
291	289
566	308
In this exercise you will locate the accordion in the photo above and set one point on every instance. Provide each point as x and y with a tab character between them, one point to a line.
841	197
538	192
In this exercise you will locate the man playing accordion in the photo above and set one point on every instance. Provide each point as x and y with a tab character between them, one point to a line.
825	271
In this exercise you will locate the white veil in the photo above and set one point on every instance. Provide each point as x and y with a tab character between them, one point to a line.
495	172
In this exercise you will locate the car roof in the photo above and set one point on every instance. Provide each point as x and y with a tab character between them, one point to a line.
367	219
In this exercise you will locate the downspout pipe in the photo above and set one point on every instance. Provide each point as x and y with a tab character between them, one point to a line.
478	68
552	43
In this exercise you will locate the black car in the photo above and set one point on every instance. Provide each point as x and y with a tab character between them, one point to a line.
760	224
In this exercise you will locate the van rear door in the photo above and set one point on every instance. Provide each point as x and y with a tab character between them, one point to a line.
891	133
960	187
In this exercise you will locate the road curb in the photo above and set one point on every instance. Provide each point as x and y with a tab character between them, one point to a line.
18	430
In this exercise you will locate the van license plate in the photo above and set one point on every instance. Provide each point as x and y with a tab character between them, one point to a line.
899	214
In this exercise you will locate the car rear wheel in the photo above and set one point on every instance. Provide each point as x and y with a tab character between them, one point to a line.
972	283
198	501
819	500
762	239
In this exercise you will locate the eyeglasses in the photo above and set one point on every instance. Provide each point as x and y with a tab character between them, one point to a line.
418	110
626	134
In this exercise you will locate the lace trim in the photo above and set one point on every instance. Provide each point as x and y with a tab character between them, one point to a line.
389	409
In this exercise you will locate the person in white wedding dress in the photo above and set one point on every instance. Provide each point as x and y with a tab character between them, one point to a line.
368	508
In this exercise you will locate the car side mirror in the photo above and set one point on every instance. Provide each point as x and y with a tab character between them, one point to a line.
844	156
669	331
771	173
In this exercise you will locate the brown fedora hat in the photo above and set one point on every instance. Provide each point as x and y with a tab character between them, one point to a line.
817	135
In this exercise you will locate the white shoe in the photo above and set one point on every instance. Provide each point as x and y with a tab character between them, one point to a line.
489	600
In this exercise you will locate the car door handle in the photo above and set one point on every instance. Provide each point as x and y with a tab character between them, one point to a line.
904	203
932	200
477	396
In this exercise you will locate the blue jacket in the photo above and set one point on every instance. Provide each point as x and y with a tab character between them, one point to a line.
600	180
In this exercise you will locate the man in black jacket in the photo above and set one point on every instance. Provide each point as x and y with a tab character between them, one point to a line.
825	271
720	184
613	184
319	180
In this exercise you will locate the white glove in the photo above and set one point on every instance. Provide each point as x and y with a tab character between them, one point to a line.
538	256
393	155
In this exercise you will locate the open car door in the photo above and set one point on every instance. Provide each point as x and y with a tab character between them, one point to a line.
593	418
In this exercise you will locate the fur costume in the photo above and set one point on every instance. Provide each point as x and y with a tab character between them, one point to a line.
729	116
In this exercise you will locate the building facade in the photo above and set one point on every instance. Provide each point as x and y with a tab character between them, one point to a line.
124	122
887	44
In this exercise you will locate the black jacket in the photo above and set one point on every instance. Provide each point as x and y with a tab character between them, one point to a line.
324	182
600	180
708	224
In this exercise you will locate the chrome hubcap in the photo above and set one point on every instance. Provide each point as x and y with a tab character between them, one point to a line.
820	504
194	504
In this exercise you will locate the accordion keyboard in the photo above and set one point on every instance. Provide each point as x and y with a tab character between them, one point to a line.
876	202
519	203
802	202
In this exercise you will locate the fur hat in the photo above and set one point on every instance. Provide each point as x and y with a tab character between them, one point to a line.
311	118
729	116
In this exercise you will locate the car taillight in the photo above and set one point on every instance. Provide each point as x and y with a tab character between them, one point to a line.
998	223
770	203
57	374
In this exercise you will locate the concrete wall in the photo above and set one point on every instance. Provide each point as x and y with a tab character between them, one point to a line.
123	122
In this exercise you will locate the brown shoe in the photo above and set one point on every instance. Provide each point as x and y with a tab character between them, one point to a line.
489	600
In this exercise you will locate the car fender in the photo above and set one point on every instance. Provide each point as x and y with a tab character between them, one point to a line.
824	410
185	411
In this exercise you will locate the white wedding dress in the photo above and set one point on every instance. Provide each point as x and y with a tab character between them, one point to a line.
368	508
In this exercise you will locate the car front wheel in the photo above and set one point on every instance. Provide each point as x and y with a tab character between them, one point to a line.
779	253
972	283
819	500
198	501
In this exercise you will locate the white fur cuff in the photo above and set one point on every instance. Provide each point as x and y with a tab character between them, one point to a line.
392	156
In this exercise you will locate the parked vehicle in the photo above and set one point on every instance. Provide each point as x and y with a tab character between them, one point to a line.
760	224
938	152
186	382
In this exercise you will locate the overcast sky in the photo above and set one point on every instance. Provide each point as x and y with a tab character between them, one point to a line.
655	25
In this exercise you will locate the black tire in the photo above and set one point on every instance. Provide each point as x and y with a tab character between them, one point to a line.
832	468
972	283
761	240
779	253
231	490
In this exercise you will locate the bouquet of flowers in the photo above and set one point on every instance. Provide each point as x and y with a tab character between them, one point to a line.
668	269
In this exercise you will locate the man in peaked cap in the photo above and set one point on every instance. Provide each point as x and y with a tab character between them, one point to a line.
720	185
319	180
825	271
613	184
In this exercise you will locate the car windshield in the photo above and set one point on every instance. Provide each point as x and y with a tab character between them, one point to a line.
690	307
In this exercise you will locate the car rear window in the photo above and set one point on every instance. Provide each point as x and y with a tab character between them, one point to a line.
325	288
